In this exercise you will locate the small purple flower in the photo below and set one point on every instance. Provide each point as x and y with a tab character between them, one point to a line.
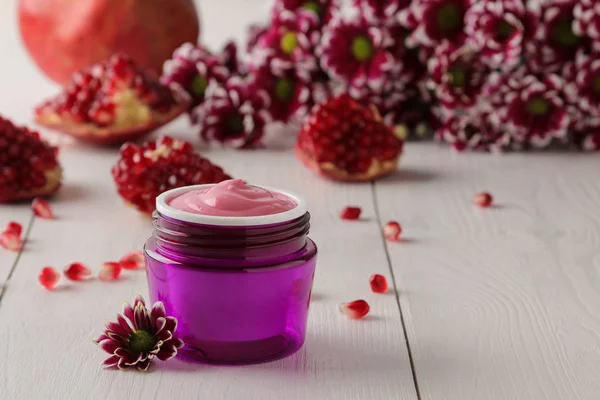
554	42
457	75
533	110
355	53
498	29
234	113
587	21
475	130
436	21
255	32
323	9
193	68
293	38
383	12
138	336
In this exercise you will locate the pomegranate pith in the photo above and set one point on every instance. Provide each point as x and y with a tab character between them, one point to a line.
378	283
28	165
111	103
356	309
345	141
144	172
49	278
483	200
392	231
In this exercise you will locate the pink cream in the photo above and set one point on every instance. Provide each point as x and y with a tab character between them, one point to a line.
233	198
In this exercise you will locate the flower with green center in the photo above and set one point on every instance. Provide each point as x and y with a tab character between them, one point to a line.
563	34
362	48
284	89
504	31
457	77
138	336
538	106
199	85
313	6
449	18
289	42
235	124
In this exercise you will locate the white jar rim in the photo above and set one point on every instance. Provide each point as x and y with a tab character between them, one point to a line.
163	207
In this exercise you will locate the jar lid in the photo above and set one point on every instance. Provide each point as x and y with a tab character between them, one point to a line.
163	207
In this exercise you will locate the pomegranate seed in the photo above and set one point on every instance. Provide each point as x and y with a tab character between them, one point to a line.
350	213
483	200
392	231
42	208
133	260
77	272
378	283
49	278
11	241
356	309
14	227
110	271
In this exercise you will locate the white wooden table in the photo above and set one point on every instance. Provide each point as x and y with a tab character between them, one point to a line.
488	304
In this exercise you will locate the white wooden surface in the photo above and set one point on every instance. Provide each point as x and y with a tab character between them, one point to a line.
497	304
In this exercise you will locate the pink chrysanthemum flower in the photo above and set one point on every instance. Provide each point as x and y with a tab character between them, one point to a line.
255	33
193	68
381	11
311	93
587	21
554	42
588	139
435	21
457	75
323	9
498	28
474	131
234	114
138	336
281	83
293	38
355	53
533	110
583	83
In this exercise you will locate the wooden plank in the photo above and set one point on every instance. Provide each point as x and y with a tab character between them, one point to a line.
47	336
499	303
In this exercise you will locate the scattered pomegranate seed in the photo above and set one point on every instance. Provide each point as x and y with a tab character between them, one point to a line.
11	241
350	213
133	260
356	309
392	231
378	283
78	272
483	200
42	208
14	227
110	271
49	278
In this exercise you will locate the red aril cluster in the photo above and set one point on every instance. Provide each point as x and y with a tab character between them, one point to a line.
28	165
145	171
111	102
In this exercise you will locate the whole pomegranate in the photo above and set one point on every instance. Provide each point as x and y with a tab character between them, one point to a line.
66	36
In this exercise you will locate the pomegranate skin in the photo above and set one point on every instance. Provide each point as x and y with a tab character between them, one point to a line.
65	36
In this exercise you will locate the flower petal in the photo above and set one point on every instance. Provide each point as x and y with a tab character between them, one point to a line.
167	351
110	362
143	366
109	346
160	324
158	310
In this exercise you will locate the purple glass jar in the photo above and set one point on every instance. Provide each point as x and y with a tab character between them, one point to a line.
239	286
